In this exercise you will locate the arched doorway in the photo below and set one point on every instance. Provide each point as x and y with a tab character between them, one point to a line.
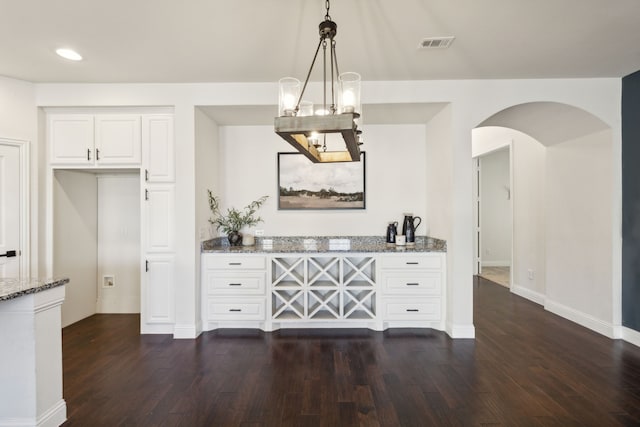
564	197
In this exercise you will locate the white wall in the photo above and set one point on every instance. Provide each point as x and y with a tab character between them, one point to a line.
75	233
395	181
18	120
207	167
495	209
439	186
118	243
579	211
207	173
529	216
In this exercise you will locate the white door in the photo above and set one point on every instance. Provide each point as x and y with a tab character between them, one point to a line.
9	211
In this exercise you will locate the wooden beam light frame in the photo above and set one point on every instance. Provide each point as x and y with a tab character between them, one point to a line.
296	131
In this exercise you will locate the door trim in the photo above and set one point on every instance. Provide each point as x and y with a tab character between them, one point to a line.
24	259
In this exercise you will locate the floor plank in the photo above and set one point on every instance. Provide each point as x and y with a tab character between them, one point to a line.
527	367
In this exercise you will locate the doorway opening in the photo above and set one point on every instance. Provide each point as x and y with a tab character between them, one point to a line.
493	215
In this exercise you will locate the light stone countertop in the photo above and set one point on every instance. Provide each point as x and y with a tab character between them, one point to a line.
320	244
14	288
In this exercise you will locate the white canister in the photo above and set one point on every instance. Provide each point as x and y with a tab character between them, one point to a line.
248	240
401	240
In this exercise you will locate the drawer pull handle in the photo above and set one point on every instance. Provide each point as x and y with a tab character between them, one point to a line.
413	310
412	262
235	284
413	284
235	263
235	310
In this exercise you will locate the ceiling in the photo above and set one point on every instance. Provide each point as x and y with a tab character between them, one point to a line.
261	41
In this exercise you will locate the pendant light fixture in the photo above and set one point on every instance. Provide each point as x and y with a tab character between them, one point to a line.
307	130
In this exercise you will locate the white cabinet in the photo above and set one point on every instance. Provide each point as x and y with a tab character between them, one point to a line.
94	140
412	289
70	138
279	290
158	147
234	290
117	139
158	218
157	177
158	299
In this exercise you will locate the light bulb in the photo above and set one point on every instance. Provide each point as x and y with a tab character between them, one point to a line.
348	100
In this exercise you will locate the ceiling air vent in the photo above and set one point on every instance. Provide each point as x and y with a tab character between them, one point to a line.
436	42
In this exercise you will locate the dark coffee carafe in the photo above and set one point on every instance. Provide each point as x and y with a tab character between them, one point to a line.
392	231
409	227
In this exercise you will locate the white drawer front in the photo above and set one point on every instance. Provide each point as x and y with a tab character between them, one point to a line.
236	262
231	283
424	261
236	309
412	282
415	308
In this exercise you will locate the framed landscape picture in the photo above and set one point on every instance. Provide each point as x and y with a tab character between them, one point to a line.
306	185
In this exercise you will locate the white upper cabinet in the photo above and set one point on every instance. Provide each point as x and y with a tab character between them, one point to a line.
71	139
94	140
159	148
117	139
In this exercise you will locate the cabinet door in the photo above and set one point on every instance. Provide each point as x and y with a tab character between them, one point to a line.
118	139
70	139
157	292
158	148
159	218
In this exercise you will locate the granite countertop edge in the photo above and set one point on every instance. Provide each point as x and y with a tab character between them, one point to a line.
15	288
321	244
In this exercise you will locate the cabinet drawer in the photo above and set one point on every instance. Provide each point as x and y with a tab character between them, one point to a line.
414	308
424	261
412	282
236	309
236	262
241	283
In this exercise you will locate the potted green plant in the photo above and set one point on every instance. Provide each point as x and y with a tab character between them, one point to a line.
234	220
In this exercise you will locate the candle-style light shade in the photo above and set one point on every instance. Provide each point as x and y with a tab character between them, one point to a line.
349	94
289	92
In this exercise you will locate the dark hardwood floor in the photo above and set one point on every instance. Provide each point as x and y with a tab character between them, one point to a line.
526	367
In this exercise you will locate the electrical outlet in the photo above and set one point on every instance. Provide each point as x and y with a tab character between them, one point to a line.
259	232
108	282
530	274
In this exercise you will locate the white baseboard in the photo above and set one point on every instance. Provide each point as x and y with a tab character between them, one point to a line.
185	332
460	331
631	336
505	263
54	416
523	292
583	319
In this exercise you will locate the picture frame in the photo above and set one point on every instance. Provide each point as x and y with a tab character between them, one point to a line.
304	185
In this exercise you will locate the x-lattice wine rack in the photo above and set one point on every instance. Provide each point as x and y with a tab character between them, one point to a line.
323	288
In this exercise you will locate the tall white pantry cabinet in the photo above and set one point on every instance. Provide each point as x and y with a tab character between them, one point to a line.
115	141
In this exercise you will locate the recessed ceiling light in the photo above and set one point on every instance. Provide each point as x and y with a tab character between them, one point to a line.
69	54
